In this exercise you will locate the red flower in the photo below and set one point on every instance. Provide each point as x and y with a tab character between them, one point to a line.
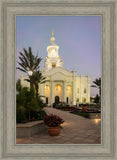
53	120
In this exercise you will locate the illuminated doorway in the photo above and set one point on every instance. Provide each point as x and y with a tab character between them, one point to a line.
57	99
58	92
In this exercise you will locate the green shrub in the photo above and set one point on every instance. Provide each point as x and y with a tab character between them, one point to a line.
41	115
20	114
86	115
60	104
41	104
28	106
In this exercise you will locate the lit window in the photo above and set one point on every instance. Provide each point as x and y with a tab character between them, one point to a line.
85	90
77	99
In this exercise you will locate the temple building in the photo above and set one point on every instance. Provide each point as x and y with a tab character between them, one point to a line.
61	85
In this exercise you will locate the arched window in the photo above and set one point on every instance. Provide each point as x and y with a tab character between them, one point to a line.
85	90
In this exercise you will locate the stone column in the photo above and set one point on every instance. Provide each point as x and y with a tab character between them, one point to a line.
74	89
52	93
73	93
42	91
81	88
64	91
88	88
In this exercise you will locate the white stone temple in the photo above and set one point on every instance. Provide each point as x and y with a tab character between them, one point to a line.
61	85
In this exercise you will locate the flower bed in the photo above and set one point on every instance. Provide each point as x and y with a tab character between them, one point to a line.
60	104
74	109
66	108
80	111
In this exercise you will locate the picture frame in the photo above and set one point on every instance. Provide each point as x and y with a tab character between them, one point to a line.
107	9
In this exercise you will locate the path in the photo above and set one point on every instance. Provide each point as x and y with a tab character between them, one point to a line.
75	130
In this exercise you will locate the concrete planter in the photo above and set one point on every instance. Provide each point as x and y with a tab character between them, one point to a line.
95	115
30	128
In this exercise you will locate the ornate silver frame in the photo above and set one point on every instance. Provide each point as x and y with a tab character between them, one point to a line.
107	9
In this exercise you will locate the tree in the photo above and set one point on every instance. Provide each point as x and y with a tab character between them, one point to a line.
24	100
36	79
18	86
29	105
96	99
97	84
28	62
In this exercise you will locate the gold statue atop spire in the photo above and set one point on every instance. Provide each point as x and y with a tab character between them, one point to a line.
52	39
52	33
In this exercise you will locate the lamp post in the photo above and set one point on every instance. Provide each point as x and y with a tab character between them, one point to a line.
30	73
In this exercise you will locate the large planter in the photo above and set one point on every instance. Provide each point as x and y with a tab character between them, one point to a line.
54	131
84	108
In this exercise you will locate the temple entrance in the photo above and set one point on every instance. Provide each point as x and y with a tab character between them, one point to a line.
57	99
58	93
46	100
67	100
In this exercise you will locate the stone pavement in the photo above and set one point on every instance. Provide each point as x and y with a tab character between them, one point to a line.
75	130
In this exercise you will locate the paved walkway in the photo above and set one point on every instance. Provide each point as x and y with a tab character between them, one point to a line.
75	130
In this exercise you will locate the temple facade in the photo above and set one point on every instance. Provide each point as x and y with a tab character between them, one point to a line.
61	85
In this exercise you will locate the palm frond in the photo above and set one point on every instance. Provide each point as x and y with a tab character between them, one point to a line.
21	69
93	86
25	59
23	66
26	53
27	80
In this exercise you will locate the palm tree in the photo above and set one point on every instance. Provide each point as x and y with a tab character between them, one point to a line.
28	62
97	83
36	79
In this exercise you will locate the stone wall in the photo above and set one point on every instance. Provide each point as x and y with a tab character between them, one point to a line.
29	129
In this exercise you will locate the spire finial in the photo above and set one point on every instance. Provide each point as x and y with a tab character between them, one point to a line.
52	33
52	39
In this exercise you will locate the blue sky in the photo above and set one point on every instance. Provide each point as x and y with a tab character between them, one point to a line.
78	37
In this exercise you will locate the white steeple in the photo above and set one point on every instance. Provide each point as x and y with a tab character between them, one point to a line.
53	59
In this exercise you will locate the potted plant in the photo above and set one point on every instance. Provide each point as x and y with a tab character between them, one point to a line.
84	108
53	122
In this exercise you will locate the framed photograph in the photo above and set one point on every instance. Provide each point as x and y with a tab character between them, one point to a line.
54	86
65	36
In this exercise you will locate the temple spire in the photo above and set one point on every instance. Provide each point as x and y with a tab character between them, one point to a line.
52	33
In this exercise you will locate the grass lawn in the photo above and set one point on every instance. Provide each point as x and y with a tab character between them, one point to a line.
62	109
83	114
